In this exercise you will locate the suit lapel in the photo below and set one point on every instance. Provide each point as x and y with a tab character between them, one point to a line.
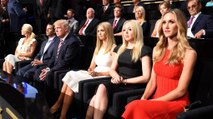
197	21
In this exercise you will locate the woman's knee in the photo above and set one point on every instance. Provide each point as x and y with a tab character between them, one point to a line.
101	89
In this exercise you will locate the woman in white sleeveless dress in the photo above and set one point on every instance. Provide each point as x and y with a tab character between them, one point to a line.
99	67
24	50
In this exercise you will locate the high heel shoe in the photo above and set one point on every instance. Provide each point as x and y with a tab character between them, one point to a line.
53	110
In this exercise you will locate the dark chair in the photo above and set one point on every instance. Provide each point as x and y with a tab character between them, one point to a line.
201	85
87	89
20	64
201	92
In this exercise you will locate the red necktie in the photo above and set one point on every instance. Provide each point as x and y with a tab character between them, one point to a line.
114	24
190	21
82	28
41	2
104	9
59	47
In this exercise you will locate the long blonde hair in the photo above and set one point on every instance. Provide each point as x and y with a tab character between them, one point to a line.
110	38
138	40
178	52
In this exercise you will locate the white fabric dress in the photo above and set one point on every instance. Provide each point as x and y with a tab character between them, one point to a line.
22	48
103	62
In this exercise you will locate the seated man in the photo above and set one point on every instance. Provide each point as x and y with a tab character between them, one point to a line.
43	57
199	25
66	54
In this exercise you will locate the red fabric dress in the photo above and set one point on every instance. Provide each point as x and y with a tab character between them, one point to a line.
167	80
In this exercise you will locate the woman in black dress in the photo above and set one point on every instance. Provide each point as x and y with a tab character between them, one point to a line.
131	65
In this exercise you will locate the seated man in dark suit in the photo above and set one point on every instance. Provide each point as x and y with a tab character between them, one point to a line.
117	23
43	57
104	11
199	25
66	54
88	26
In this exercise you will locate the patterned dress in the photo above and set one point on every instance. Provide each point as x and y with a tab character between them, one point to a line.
167	80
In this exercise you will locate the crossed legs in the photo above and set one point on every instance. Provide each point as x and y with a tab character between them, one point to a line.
64	101
98	104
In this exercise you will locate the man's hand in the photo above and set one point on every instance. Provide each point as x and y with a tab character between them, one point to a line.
43	74
36	62
199	34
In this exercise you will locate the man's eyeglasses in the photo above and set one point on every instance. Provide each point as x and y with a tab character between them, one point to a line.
192	7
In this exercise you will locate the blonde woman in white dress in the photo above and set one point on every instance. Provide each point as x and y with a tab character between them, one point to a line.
99	67
24	50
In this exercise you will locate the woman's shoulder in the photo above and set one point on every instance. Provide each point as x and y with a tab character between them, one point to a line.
190	53
33	40
146	50
190	56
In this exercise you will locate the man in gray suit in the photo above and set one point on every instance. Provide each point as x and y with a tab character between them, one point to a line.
73	23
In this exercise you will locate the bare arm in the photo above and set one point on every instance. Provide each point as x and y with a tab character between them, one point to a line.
113	70
151	86
29	53
154	33
92	65
146	70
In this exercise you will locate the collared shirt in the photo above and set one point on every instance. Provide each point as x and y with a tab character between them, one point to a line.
50	40
189	30
86	26
70	20
106	7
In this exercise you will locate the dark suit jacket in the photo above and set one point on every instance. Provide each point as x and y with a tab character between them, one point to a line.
118	26
47	55
28	70
203	22
91	29
68	56
104	16
41	11
16	14
58	9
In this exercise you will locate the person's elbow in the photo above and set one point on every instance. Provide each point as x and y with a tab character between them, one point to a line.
181	92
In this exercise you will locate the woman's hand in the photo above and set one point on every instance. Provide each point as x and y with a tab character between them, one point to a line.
117	80
92	72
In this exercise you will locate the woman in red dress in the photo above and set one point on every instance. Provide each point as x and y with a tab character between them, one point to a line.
166	93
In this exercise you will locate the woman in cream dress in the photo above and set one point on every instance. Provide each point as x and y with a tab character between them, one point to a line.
99	67
24	50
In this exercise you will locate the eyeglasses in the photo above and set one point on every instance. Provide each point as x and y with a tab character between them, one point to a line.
192	7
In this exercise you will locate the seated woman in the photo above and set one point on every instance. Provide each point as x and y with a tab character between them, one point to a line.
140	17
24	50
163	7
131	66
99	67
166	93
